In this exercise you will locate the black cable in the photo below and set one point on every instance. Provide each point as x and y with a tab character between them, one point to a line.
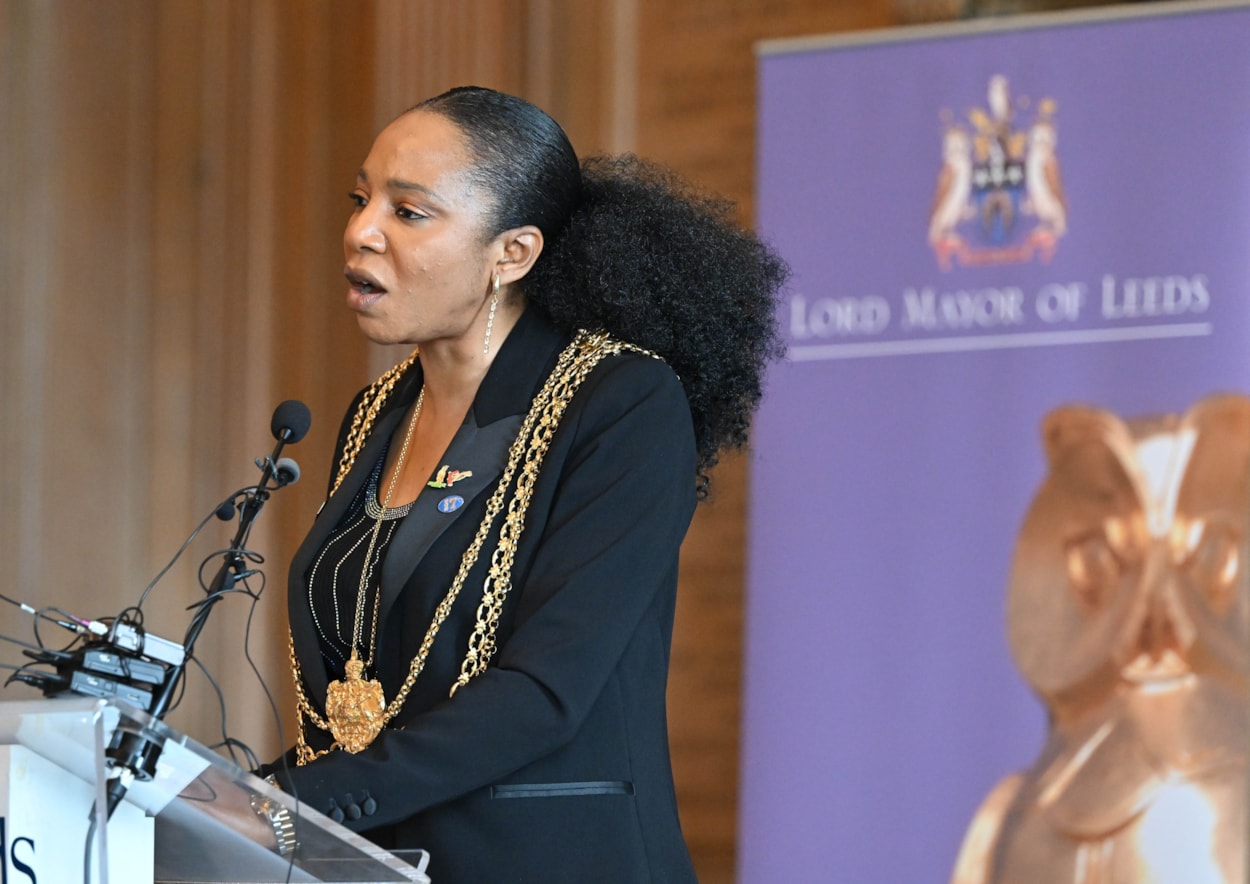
227	741
202	608
34	628
186	795
182	690
86	853
132	615
20	672
273	706
18	641
250	759
15	668
29	610
186	543
42	614
67	621
241	555
221	706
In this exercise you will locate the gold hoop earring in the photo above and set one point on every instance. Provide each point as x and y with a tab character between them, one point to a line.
490	319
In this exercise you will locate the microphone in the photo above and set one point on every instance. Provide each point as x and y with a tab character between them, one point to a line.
290	421
134	755
286	471
289	424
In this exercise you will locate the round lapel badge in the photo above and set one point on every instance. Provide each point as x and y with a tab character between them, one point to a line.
451	503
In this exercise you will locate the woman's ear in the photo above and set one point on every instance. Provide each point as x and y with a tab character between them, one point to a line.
521	248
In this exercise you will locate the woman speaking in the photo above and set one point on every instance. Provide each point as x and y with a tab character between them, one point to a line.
481	613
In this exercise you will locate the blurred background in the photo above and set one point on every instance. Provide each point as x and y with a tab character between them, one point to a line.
173	177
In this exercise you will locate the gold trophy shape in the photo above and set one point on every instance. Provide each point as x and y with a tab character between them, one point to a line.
1128	615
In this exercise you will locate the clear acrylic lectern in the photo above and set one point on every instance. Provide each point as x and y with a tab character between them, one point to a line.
204	827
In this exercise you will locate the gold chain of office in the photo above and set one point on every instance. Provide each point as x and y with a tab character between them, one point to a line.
527	453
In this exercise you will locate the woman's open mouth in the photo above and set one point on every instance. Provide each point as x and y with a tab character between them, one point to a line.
363	290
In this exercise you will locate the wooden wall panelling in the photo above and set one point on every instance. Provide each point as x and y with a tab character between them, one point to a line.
210	344
26	157
696	112
235	351
179	405
73	320
573	53
428	46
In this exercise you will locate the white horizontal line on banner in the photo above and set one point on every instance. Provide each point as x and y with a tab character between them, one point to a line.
969	343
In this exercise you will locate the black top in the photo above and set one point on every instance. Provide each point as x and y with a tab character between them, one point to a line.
355	548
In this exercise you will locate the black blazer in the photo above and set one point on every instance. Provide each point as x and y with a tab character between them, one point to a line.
553	765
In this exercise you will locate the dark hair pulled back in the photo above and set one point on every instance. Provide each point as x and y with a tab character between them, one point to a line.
522	158
632	249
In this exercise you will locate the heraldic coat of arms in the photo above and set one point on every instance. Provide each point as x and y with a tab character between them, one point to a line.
999	196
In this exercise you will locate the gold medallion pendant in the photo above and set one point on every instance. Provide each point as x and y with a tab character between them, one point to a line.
355	708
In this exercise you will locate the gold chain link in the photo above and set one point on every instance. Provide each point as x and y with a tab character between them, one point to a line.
530	445
499	578
362	423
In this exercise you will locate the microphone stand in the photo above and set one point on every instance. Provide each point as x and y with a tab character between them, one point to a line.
136	754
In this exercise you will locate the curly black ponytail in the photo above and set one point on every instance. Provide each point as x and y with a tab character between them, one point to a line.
655	263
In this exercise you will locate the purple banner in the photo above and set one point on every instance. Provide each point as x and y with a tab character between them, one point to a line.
984	223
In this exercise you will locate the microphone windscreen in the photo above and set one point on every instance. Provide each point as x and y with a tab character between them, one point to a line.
287	471
291	421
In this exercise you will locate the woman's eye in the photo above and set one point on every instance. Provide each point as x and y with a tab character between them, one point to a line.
358	199
409	214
